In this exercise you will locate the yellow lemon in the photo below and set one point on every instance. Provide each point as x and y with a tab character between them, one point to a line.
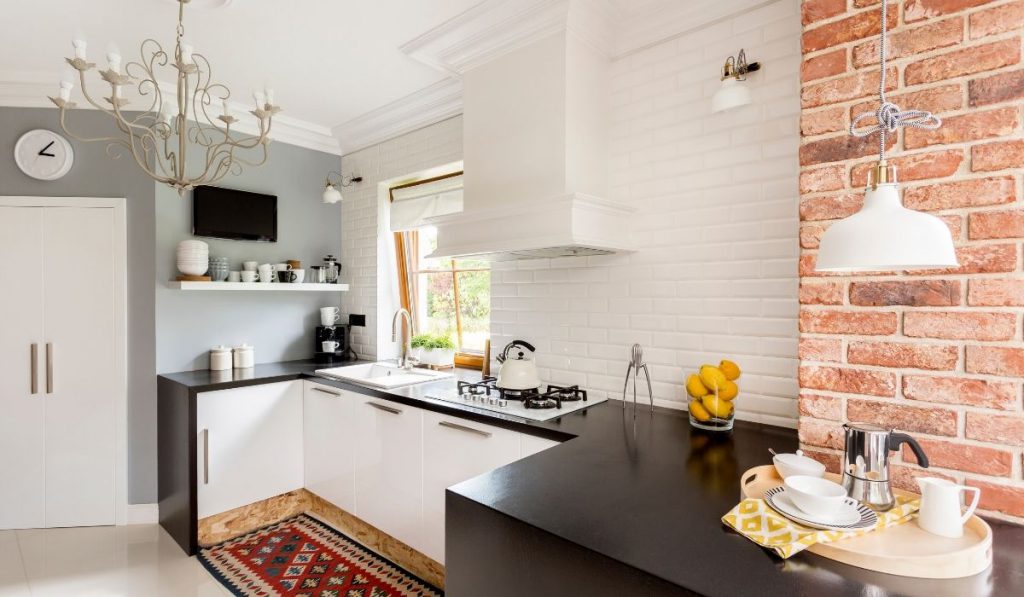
728	390
694	387
716	406
712	377
730	369
698	411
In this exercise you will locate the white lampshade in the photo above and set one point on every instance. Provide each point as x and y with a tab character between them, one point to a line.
331	194
732	94
885	236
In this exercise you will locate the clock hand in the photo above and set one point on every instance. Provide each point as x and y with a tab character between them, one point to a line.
43	151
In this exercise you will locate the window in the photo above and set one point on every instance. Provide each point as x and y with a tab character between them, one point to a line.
447	297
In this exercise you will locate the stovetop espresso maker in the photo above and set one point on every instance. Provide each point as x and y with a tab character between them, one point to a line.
866	462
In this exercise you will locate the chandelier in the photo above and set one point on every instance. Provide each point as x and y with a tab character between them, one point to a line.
158	138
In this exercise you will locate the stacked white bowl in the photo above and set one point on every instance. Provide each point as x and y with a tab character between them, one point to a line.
193	257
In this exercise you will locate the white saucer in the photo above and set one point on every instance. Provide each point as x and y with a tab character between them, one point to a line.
852	516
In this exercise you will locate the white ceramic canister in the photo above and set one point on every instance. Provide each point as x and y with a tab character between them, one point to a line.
245	356
220	358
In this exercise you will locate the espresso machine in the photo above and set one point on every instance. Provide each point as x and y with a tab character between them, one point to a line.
866	462
340	333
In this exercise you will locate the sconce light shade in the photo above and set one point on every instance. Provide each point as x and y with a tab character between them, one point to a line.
732	94
885	236
331	194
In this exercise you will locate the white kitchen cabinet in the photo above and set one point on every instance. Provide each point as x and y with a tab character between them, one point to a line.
330	452
389	467
249	445
455	450
531	444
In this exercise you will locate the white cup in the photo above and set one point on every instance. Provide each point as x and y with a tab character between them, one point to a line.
248	276
300	275
267	273
234	276
329	315
329	345
282	267
249	266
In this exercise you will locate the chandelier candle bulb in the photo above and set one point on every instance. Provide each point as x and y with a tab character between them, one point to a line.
80	47
225	108
186	53
270	96
261	99
65	90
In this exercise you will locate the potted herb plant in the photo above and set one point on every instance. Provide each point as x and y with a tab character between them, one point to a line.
432	349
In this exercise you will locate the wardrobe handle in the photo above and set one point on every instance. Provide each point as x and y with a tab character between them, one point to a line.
387	409
206	456
34	382
464	428
49	368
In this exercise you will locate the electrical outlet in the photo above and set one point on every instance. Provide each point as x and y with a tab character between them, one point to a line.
357	320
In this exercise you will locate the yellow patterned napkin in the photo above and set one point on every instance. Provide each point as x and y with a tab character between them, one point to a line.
755	520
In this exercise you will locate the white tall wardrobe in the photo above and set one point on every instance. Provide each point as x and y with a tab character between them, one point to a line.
62	369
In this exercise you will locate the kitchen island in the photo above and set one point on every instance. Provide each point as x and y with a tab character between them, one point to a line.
629	503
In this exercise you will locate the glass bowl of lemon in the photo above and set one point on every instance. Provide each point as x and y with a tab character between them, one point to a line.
712	391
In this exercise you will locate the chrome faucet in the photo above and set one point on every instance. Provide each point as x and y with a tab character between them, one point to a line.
403	357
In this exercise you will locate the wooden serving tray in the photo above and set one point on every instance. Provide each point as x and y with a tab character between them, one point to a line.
903	550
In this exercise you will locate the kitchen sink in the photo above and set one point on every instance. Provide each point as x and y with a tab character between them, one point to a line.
383	375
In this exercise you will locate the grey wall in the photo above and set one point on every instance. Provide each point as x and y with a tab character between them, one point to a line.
96	175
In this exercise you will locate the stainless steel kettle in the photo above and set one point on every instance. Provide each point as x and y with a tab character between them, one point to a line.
866	462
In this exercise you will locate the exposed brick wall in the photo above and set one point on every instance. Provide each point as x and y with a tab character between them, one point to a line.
938	353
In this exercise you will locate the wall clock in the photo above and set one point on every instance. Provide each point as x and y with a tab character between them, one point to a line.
43	154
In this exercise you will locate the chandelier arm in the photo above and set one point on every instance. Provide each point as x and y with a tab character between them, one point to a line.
142	163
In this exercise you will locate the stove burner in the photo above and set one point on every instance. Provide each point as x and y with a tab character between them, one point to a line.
551	397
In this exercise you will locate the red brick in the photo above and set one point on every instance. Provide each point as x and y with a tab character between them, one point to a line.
850	87
904	476
997	156
955	224
980	259
995	429
810	236
920	166
963	457
962	193
831	460
966	127
820	349
1008	499
960	390
850	381
816	10
996	360
996	224
828	293
959	325
824	121
1003	87
824	65
852	28
912	41
824	434
836	149
902	355
913	293
995	293
829	178
964	62
934	421
820	407
831	207
915	10
939	99
862	323
1008	17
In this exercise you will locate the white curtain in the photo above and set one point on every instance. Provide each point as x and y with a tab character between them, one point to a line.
413	205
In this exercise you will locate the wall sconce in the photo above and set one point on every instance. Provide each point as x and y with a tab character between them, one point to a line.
733	93
331	192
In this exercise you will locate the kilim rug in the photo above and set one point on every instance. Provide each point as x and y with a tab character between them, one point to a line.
303	557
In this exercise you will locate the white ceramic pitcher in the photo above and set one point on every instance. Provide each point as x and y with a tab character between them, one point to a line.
940	507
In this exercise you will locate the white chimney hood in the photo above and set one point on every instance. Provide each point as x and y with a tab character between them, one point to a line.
535	128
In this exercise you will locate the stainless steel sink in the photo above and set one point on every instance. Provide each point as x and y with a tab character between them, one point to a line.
383	375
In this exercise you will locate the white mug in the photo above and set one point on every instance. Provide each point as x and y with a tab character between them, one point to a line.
249	266
329	315
267	273
940	507
282	267
248	276
329	345
300	275
234	276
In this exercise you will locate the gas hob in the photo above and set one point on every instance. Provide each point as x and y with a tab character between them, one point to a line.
536	404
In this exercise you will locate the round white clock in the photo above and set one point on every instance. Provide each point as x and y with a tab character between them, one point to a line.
44	154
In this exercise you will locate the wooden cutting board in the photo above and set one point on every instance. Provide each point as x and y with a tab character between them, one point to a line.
903	550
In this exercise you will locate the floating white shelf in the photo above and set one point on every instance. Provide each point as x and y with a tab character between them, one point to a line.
258	286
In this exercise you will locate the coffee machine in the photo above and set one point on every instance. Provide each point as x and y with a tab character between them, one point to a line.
340	333
866	462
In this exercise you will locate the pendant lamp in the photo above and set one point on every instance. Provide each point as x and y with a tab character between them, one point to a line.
884	235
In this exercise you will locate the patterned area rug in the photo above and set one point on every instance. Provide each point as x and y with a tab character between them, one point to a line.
303	557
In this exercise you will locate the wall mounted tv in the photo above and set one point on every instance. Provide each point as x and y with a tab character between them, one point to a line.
235	215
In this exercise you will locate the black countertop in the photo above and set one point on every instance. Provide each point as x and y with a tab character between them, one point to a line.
649	491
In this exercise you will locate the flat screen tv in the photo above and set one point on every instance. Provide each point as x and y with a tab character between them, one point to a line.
232	214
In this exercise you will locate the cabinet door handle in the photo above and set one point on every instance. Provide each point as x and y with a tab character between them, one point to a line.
450	425
326	391
387	409
206	456
49	368
34	382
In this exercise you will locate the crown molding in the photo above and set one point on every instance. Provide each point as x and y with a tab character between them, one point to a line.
430	105
25	89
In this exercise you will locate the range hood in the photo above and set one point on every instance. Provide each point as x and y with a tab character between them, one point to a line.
535	128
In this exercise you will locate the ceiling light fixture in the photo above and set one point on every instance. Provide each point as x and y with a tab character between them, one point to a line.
884	235
158	138
331	192
733	92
